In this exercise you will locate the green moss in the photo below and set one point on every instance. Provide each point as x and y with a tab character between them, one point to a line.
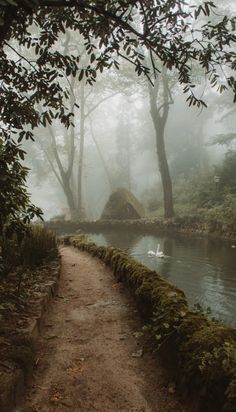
122	204
207	345
207	353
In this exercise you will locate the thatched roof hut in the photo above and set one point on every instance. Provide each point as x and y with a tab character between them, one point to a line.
122	205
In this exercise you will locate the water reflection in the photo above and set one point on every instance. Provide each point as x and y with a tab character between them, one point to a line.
125	240
203	268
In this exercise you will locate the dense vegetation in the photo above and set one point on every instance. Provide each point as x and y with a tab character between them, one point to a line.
208	196
32	248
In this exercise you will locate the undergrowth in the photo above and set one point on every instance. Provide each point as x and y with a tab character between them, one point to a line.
37	244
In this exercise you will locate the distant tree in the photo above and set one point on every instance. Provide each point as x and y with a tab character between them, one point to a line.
224	139
121	174
160	98
63	148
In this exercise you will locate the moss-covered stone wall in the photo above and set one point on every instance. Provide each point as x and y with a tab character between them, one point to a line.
180	225
204	351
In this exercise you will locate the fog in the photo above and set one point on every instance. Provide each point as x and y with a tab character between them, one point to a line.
120	148
114	142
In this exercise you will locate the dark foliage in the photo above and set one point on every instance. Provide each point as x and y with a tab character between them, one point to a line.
16	208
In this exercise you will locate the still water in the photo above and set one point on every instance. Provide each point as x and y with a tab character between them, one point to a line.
204	268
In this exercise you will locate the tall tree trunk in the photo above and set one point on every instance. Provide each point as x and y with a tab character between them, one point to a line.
164	170
159	116
81	149
70	199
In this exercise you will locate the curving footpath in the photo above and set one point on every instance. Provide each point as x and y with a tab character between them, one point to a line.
92	353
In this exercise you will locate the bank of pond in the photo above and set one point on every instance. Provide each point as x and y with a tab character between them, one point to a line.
202	266
200	352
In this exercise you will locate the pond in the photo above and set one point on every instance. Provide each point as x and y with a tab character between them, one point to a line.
205	269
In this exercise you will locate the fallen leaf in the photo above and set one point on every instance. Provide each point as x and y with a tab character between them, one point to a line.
68	404
171	388
172	294
137	354
117	285
42	388
72	371
51	337
182	314
138	334
7	365
56	397
122	337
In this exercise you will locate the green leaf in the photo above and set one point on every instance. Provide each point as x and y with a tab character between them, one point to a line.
81	75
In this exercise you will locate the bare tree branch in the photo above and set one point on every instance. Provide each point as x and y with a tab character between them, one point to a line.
98	104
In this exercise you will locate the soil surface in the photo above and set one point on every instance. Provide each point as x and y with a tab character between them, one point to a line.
92	353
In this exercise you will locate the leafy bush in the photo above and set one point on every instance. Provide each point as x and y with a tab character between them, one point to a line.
16	209
227	172
225	212
37	244
205	198
206	192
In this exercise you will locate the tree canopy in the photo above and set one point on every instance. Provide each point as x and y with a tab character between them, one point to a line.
171	31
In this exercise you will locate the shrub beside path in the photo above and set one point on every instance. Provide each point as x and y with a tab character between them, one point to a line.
92	354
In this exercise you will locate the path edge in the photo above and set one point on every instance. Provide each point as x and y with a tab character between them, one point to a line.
19	376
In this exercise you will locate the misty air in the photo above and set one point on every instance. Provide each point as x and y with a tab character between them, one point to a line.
117	206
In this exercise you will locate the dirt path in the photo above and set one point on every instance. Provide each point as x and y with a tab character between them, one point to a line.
88	353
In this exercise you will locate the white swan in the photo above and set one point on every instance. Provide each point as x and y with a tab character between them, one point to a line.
158	252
